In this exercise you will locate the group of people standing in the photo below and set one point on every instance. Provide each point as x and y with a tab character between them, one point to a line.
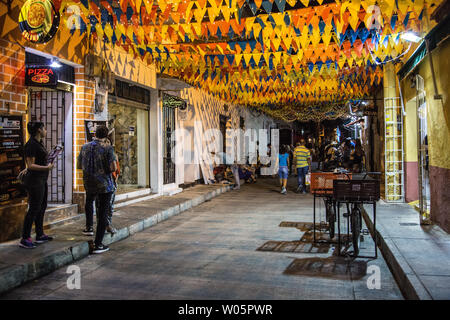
301	157
348	155
100	173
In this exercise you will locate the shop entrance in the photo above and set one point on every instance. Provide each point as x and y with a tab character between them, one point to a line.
422	143
54	109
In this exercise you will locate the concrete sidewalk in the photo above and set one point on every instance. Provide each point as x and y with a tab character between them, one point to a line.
418	256
19	266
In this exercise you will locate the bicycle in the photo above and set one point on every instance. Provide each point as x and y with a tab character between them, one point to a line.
330	216
366	193
322	186
355	225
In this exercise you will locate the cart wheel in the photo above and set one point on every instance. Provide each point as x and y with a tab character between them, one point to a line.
356	229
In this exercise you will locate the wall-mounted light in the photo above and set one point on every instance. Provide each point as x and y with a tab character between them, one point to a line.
410	36
55	64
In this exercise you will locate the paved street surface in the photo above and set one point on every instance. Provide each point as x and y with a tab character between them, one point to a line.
247	244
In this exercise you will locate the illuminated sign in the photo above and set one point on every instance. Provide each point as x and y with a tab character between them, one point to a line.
38	20
40	76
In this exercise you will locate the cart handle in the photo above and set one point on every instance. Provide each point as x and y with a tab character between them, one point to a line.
374	173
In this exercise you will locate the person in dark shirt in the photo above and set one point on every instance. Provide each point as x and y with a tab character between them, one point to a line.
97	160
35	181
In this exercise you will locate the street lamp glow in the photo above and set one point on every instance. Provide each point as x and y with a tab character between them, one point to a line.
410	36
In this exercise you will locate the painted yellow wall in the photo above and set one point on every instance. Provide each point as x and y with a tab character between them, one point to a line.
438	111
410	131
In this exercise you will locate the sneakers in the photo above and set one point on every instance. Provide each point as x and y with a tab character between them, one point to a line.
27	244
283	191
100	248
88	231
299	190
43	238
111	229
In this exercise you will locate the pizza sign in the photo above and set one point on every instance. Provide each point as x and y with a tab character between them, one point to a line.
38	20
40	76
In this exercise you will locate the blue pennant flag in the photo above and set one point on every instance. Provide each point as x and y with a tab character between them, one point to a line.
270	19
266	4
310	66
363	34
85	3
129	13
281	4
287	20
405	22
393	21
242	44
114	38
230	58
353	35
253	7
221	58
322	27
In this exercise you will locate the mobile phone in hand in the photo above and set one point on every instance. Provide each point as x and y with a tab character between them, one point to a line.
54	153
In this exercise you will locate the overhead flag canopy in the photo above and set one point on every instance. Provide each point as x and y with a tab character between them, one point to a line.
291	58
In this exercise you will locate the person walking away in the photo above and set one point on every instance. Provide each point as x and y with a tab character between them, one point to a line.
283	170
357	156
35	181
235	170
97	160
303	161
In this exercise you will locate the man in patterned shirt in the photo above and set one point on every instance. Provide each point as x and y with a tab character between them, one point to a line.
97	160
303	161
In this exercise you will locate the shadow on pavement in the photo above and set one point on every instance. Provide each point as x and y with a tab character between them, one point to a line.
332	267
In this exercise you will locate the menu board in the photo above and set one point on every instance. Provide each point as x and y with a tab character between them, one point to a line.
11	159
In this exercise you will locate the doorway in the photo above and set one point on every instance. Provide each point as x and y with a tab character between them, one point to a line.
423	158
54	109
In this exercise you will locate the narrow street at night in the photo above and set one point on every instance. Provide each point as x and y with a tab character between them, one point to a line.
232	247
223	152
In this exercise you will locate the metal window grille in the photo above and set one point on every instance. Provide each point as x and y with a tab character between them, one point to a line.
168	143
48	107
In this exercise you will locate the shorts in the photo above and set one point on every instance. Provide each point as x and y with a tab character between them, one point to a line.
283	172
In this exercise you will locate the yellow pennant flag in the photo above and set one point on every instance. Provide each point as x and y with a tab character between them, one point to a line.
326	36
257	58
277	56
256	29
305	2
291	2
226	12
238	58
247	57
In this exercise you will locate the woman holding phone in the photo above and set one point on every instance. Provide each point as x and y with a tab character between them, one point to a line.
35	181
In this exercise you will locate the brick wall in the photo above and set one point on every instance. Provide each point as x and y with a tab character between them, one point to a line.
83	110
13	98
